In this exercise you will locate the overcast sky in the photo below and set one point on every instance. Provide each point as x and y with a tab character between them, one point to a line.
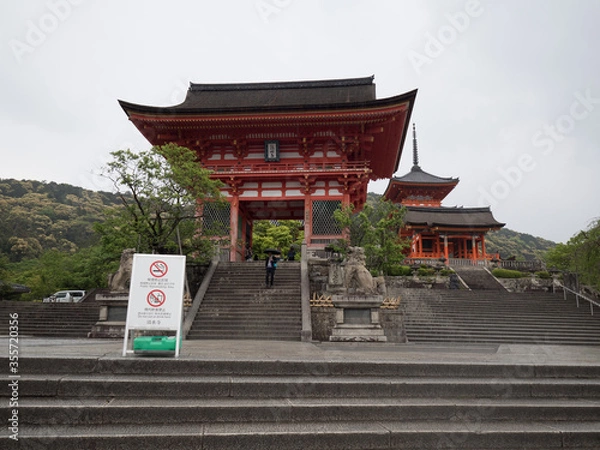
508	101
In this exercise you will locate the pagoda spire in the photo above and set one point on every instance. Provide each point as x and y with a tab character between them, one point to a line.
415	151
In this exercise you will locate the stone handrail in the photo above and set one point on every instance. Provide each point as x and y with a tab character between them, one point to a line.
522	265
191	313
306	334
504	263
577	295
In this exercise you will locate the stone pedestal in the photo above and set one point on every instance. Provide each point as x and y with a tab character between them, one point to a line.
335	279
357	319
113	315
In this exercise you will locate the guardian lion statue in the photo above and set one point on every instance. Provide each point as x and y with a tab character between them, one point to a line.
121	279
357	276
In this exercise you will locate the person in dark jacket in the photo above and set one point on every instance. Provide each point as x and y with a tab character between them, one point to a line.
270	266
291	254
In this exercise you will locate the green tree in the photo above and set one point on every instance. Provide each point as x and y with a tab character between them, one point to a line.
5	278
159	190
280	235
581	255
375	228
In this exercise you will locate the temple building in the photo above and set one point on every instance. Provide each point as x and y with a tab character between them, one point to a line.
436	231
284	150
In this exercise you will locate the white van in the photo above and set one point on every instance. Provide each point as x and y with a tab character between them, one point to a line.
71	296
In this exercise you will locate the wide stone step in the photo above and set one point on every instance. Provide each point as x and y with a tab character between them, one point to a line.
260	291
462	433
249	317
481	303
160	410
569	322
245	336
486	339
257	308
503	334
504	323
282	386
254	331
390	370
276	299
490	303
414	333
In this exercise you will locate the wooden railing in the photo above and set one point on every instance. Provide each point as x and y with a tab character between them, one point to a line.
525	266
247	168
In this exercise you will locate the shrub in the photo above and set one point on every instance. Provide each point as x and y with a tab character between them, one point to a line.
399	271
446	272
543	274
425	272
507	273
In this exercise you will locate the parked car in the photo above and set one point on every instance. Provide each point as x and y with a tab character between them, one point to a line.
70	296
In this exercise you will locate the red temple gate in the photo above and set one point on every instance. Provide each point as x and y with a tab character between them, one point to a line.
289	150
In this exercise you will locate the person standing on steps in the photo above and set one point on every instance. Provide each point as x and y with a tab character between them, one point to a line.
291	256
270	266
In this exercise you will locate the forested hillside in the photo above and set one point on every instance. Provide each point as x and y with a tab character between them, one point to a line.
519	245
37	216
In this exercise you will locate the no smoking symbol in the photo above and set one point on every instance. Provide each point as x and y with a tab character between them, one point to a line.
158	269
156	298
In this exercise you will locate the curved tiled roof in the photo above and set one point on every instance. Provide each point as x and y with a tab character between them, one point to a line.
418	175
455	217
308	106
289	93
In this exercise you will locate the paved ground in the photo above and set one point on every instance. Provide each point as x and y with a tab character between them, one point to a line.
326	352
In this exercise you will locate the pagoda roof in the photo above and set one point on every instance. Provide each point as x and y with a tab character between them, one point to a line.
400	188
419	176
451	217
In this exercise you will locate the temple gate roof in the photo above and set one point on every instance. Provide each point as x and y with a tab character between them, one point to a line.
370	129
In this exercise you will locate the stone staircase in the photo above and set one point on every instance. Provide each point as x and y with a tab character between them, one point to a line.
488	316
130	403
74	320
478	278
237	305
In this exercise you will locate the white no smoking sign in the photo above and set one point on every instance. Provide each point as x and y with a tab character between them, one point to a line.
155	294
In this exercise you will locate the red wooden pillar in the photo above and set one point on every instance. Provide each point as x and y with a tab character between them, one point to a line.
474	247
233	227
308	217
483	252
446	248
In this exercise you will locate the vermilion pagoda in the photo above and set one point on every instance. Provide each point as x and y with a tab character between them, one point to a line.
436	231
287	150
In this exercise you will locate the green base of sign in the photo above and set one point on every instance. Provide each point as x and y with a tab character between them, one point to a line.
157	345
